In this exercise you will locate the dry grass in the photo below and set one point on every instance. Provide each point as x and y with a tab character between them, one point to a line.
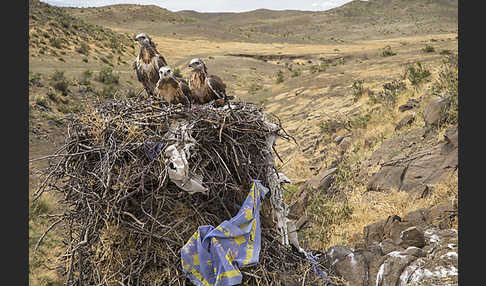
337	218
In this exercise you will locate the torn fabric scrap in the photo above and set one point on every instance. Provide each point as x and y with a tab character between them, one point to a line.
214	255
178	169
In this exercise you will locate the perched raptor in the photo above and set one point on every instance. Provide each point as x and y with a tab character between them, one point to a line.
206	88
148	63
171	89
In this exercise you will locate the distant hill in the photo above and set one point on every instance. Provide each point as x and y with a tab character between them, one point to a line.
356	20
123	14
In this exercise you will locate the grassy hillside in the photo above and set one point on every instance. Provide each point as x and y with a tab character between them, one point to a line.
54	32
357	20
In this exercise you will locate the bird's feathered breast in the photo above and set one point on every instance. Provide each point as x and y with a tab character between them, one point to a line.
197	80
147	65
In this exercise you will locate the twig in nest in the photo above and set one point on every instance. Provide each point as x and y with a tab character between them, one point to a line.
45	233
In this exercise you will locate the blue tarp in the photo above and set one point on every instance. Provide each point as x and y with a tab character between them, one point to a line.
213	255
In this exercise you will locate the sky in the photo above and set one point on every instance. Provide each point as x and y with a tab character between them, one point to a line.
212	5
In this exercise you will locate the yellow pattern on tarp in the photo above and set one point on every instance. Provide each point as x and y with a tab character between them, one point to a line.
228	274
239	239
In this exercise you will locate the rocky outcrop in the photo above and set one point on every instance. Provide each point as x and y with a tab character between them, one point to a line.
411	103
323	180
397	251
413	169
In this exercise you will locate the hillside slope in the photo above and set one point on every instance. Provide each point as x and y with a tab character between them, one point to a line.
357	20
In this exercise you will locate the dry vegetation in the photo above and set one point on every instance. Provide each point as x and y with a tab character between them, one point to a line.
321	84
342	211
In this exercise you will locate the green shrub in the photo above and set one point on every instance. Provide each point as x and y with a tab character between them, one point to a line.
358	89
387	52
279	77
360	121
107	76
388	96
62	86
34	79
445	52
295	73
428	49
318	68
131	93
56	43
58	75
177	71
85	77
331	126
254	87
417	74
52	96
66	109
42	101
83	49
329	214
447	85
107	92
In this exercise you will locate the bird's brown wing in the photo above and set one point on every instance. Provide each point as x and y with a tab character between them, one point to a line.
185	88
161	61
139	75
216	85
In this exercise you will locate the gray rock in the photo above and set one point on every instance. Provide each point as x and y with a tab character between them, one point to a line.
336	253
373	233
387	246
353	268
323	180
406	120
415	251
338	139
390	270
433	110
411	103
412	172
412	236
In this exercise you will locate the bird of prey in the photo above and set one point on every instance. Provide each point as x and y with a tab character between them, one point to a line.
207	88
171	89
148	63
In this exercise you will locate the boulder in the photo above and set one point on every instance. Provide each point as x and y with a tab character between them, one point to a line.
323	180
434	109
373	233
388	263
338	139
411	103
353	268
336	253
387	246
412	236
406	120
413	171
387	178
392	267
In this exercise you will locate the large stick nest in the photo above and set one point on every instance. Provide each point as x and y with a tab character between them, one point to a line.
125	221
